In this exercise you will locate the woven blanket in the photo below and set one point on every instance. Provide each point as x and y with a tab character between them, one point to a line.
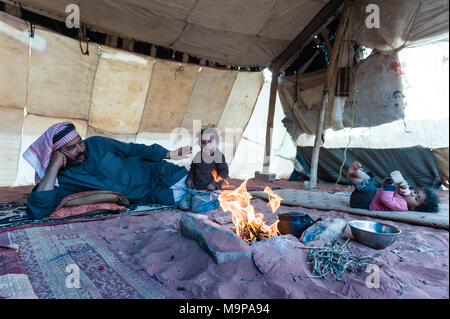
340	201
13	216
61	264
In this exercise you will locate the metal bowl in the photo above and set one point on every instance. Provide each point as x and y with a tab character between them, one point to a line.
373	234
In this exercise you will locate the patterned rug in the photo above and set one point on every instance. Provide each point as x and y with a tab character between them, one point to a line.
340	201
13	216
60	264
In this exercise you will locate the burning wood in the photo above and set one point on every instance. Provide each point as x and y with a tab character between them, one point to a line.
249	225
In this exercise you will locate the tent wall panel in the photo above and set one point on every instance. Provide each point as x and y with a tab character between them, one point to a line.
241	101
126	138
168	95
61	76
441	158
33	127
120	89
14	42
209	97
118	94
11	122
417	163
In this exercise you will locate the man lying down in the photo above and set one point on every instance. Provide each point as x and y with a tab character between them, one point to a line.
66	164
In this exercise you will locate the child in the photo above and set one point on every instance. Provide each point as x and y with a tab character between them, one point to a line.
206	161
391	197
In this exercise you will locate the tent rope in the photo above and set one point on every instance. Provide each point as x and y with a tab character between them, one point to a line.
353	112
82	36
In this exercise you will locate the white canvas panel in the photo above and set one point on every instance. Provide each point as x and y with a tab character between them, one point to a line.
61	77
33	127
14	41
249	154
126	138
120	89
168	96
209	97
241	101
11	122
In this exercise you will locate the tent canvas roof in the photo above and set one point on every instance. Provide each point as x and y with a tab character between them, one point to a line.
232	32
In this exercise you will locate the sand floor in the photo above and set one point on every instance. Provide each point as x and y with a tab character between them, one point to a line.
415	266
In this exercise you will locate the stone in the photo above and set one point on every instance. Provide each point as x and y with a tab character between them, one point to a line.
328	230
218	241
264	177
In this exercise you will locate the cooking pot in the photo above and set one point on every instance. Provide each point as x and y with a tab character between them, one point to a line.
295	223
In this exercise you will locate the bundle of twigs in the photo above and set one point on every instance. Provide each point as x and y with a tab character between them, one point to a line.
335	259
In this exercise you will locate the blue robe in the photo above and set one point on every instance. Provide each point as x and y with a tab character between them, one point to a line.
137	171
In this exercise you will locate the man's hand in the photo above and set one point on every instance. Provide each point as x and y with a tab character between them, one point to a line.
180	153
58	160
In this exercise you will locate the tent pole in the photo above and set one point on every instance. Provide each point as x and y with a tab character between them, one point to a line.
270	115
330	77
318	140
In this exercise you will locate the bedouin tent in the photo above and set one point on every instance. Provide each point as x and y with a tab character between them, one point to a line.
217	50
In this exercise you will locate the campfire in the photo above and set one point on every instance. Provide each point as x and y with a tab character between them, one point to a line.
249	225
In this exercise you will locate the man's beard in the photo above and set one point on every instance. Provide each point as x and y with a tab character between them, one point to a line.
75	162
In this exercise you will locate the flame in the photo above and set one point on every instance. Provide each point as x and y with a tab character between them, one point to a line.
249	225
218	178
274	199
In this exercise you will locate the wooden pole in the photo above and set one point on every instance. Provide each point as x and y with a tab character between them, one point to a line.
318	140
330	76
270	115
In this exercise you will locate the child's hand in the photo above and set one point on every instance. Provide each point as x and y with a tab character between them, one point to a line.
189	183
211	187
403	189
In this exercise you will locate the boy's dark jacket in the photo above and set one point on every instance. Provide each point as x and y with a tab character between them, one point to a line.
201	169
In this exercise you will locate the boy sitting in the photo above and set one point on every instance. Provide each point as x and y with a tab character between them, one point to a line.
206	161
391	197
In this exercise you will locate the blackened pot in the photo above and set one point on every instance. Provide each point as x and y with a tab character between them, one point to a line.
294	223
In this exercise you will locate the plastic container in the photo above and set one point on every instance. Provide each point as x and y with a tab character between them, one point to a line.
398	179
124	220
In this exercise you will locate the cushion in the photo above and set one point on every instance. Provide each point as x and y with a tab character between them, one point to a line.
89	203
